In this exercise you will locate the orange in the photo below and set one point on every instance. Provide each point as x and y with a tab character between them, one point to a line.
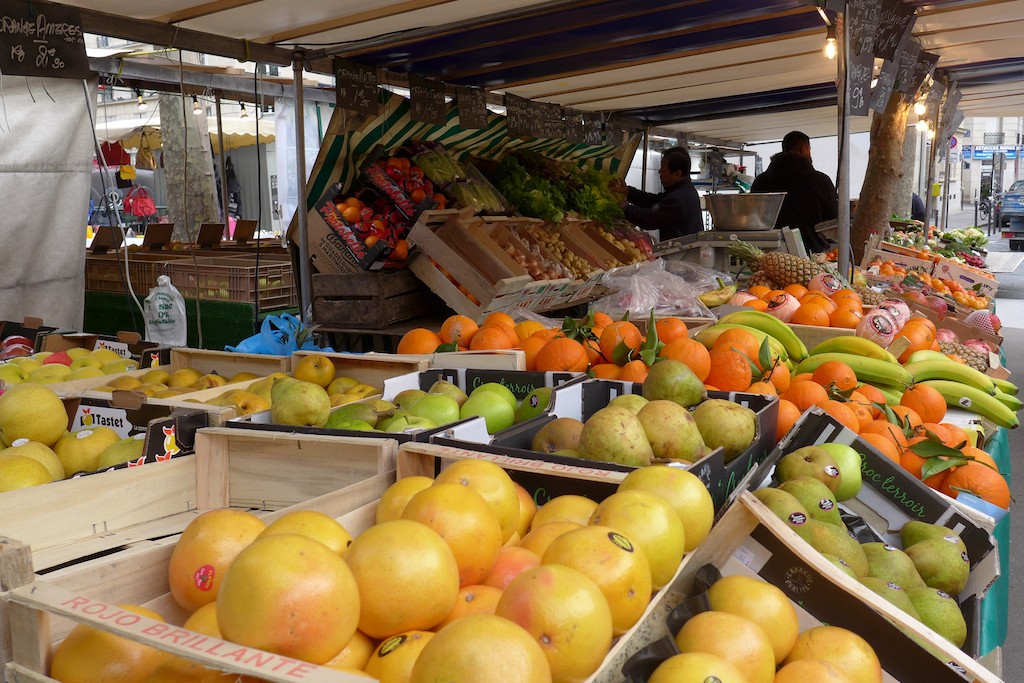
621	331
772	294
859	405
205	551
819	299
465	522
762	603
391	563
419	340
759	291
613	563
512	561
605	370
846	650
499	317
290	595
738	340
847	318
566	614
980	456
979	480
779	376
907	415
914	463
634	371
882	444
886	429
394	658
796	290
593	349
351	214
847	294
844	415
757	304
736	639
763	388
475	599
956	437
527	327
548	334
730	370
801	377
531	346
670	329
458	329
457	652
873	396
788	415
509	330
811	314
926	401
562	355
602	320
835	374
494	486
691	353
710	387
804	394
490	338
89	654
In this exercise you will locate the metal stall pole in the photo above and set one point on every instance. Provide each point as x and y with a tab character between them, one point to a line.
305	289
643	163
223	178
843	215
932	157
945	191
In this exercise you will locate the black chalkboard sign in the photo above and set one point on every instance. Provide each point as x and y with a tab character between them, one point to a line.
925	63
547	119
426	100
859	76
42	39
862	19
573	127
518	115
906	60
592	129
895	21
472	107
613	134
883	89
356	86
934	98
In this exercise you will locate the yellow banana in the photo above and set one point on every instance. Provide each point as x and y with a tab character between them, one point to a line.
771	326
1009	400
951	370
970	398
717	297
893	394
869	370
708	335
1005	386
857	346
928	354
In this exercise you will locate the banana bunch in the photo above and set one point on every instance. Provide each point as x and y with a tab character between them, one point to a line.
717	297
771	326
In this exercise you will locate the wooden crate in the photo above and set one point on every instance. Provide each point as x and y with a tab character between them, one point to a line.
369	300
42	610
226	363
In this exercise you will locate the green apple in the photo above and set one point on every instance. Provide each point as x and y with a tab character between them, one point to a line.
354	425
849	463
438	408
402	423
491	406
501	390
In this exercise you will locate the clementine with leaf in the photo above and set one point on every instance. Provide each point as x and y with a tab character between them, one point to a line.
671	329
634	371
788	415
621	331
804	394
419	340
458	329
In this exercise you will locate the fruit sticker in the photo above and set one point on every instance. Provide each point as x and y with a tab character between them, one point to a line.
19	442
390	645
832	471
888	547
826	504
203	577
964	402
621	541
797	518
84	434
893	586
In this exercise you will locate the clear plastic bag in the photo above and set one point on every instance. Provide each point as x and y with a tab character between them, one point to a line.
650	286
166	321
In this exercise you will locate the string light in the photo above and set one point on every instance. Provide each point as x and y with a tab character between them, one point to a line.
196	109
930	133
919	107
831	49
142	106
922	125
244	114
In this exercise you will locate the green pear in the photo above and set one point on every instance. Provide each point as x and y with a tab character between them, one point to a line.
19	472
834	540
122	451
561	434
443	386
849	463
407	397
673	380
840	563
80	451
615	435
939	612
809	461
39	452
891	591
353	425
892	564
727	425
913	532
631	402
784	506
941	564
353	411
49	374
262	388
671	430
298	403
816	497
33	412
244	402
533	404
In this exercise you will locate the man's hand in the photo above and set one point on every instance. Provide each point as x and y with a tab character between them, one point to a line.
616	184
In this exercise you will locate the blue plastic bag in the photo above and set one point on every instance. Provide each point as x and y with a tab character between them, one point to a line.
278	336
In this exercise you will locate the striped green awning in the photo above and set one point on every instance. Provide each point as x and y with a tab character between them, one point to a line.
342	152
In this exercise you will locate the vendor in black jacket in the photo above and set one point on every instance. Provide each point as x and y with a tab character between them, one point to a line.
810	195
674	212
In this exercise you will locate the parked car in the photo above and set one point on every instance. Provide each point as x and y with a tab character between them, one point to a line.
1013	208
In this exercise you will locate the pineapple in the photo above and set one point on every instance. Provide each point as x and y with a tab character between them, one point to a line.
782	268
868	296
972	357
760	278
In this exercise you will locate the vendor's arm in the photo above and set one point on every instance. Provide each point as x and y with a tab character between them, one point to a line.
669	212
640	198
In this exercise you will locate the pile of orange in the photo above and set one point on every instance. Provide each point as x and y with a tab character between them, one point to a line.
888	269
843	309
956	291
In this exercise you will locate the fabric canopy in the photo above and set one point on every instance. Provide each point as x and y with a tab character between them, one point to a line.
238	132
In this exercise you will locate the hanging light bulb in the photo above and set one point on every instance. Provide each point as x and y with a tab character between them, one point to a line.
196	109
142	106
930	133
922	126
831	48
244	114
919	107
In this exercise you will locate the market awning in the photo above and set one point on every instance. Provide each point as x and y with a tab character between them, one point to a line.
739	69
238	132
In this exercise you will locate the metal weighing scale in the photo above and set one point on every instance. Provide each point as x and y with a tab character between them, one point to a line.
748	217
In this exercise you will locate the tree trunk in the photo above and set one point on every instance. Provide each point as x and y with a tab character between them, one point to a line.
878	195
188	168
905	190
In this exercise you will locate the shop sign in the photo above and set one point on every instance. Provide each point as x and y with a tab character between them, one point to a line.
987	152
44	40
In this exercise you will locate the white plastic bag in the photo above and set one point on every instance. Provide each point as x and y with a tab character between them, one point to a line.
165	314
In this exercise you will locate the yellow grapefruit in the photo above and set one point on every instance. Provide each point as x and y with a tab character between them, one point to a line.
681	489
567	508
804	670
650	523
845	649
512	561
355	654
696	667
472	600
393	500
204	620
735	639
540	537
494	486
527	509
394	658
762	603
312	524
88	655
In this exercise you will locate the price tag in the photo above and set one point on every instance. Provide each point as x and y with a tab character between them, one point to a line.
925	63
859	75
882	91
547	119
472	107
592	129
356	86
895	21
906	60
574	128
862	19
43	40
426	100
518	118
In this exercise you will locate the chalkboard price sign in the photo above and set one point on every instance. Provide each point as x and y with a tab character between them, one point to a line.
592	129
859	75
882	91
862	20
472	107
518	115
426	100
613	134
925	63
906	60
42	39
547	119
896	20
574	127
356	86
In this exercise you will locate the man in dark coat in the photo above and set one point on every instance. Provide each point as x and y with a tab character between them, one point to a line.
674	212
810	195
